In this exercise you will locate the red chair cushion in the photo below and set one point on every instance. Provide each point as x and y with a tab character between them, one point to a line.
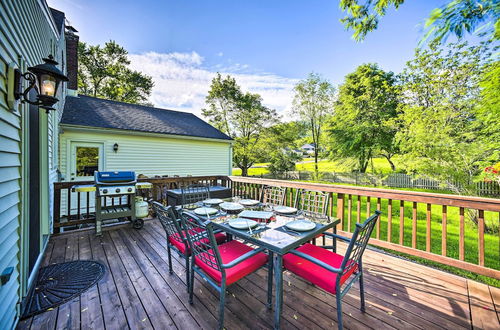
179	244
228	252
313	273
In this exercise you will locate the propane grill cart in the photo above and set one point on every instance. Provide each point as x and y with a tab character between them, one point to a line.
112	185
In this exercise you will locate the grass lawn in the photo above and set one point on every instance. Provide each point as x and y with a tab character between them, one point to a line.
380	165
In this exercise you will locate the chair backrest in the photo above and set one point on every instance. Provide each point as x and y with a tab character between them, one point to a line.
359	241
273	195
201	239
311	202
194	193
169	222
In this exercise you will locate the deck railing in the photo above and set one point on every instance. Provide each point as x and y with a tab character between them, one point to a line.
76	208
459	231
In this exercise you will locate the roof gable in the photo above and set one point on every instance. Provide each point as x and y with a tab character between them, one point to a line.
94	112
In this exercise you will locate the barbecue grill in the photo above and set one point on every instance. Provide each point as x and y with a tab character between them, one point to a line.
115	185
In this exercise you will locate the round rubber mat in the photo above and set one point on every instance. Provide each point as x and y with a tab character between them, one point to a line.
59	283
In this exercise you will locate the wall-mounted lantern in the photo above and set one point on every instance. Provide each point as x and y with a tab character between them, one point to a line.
115	147
45	78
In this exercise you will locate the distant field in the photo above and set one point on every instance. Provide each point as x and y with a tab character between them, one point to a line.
380	165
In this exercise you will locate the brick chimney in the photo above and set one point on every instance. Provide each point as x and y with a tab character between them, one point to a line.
72	57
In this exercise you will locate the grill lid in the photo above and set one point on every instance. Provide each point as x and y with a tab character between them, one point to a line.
114	177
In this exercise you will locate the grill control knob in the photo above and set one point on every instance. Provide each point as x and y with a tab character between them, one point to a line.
105	191
117	190
129	189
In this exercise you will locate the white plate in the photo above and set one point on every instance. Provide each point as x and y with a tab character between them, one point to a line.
213	201
231	206
240	223
285	209
249	202
205	210
301	225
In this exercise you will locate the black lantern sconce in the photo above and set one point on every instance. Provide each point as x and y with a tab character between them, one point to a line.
115	147
45	78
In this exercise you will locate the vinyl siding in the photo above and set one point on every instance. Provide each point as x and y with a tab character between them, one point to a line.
152	155
26	35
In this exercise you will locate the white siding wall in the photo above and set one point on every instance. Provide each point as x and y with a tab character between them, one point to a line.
153	155
26	35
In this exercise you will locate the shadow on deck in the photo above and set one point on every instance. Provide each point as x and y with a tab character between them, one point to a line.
137	291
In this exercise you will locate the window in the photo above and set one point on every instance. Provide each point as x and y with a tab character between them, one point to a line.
87	160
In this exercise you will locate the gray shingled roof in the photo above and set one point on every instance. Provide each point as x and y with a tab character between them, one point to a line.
58	17
94	112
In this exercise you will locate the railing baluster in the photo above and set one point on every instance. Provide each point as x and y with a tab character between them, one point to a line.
78	205
88	204
401	222
349	213
69	203
368	206
444	230
340	208
389	220
358	209
461	244
57	208
379	207
428	232
414	226
480	224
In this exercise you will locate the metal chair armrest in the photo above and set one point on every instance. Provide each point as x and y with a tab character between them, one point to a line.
342	238
316	261
242	258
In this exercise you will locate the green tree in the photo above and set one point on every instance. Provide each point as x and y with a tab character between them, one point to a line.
280	142
313	102
362	125
104	72
440	135
457	17
240	115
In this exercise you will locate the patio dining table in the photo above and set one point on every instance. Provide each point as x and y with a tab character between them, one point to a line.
278	240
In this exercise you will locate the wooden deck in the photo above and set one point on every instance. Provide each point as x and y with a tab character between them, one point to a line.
137	291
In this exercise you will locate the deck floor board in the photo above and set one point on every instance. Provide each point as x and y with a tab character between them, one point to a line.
138	292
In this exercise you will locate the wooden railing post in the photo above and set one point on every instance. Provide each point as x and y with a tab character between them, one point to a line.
428	232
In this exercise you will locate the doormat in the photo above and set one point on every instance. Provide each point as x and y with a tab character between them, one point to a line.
59	283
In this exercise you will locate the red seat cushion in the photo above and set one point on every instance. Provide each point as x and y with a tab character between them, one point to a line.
313	273
179	244
230	251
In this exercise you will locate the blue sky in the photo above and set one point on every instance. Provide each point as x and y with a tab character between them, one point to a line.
266	45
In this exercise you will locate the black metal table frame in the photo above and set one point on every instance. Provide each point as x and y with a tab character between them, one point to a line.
278	253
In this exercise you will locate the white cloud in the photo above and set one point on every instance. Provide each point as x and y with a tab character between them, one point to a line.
182	81
220	54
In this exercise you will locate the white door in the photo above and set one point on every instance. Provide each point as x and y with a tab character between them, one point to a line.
86	157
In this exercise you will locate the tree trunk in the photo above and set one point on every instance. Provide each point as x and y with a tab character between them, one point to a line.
315	160
393	167
244	171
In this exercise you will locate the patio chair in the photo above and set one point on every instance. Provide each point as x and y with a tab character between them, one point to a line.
224	264
176	236
192	194
313	204
274	196
329	270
